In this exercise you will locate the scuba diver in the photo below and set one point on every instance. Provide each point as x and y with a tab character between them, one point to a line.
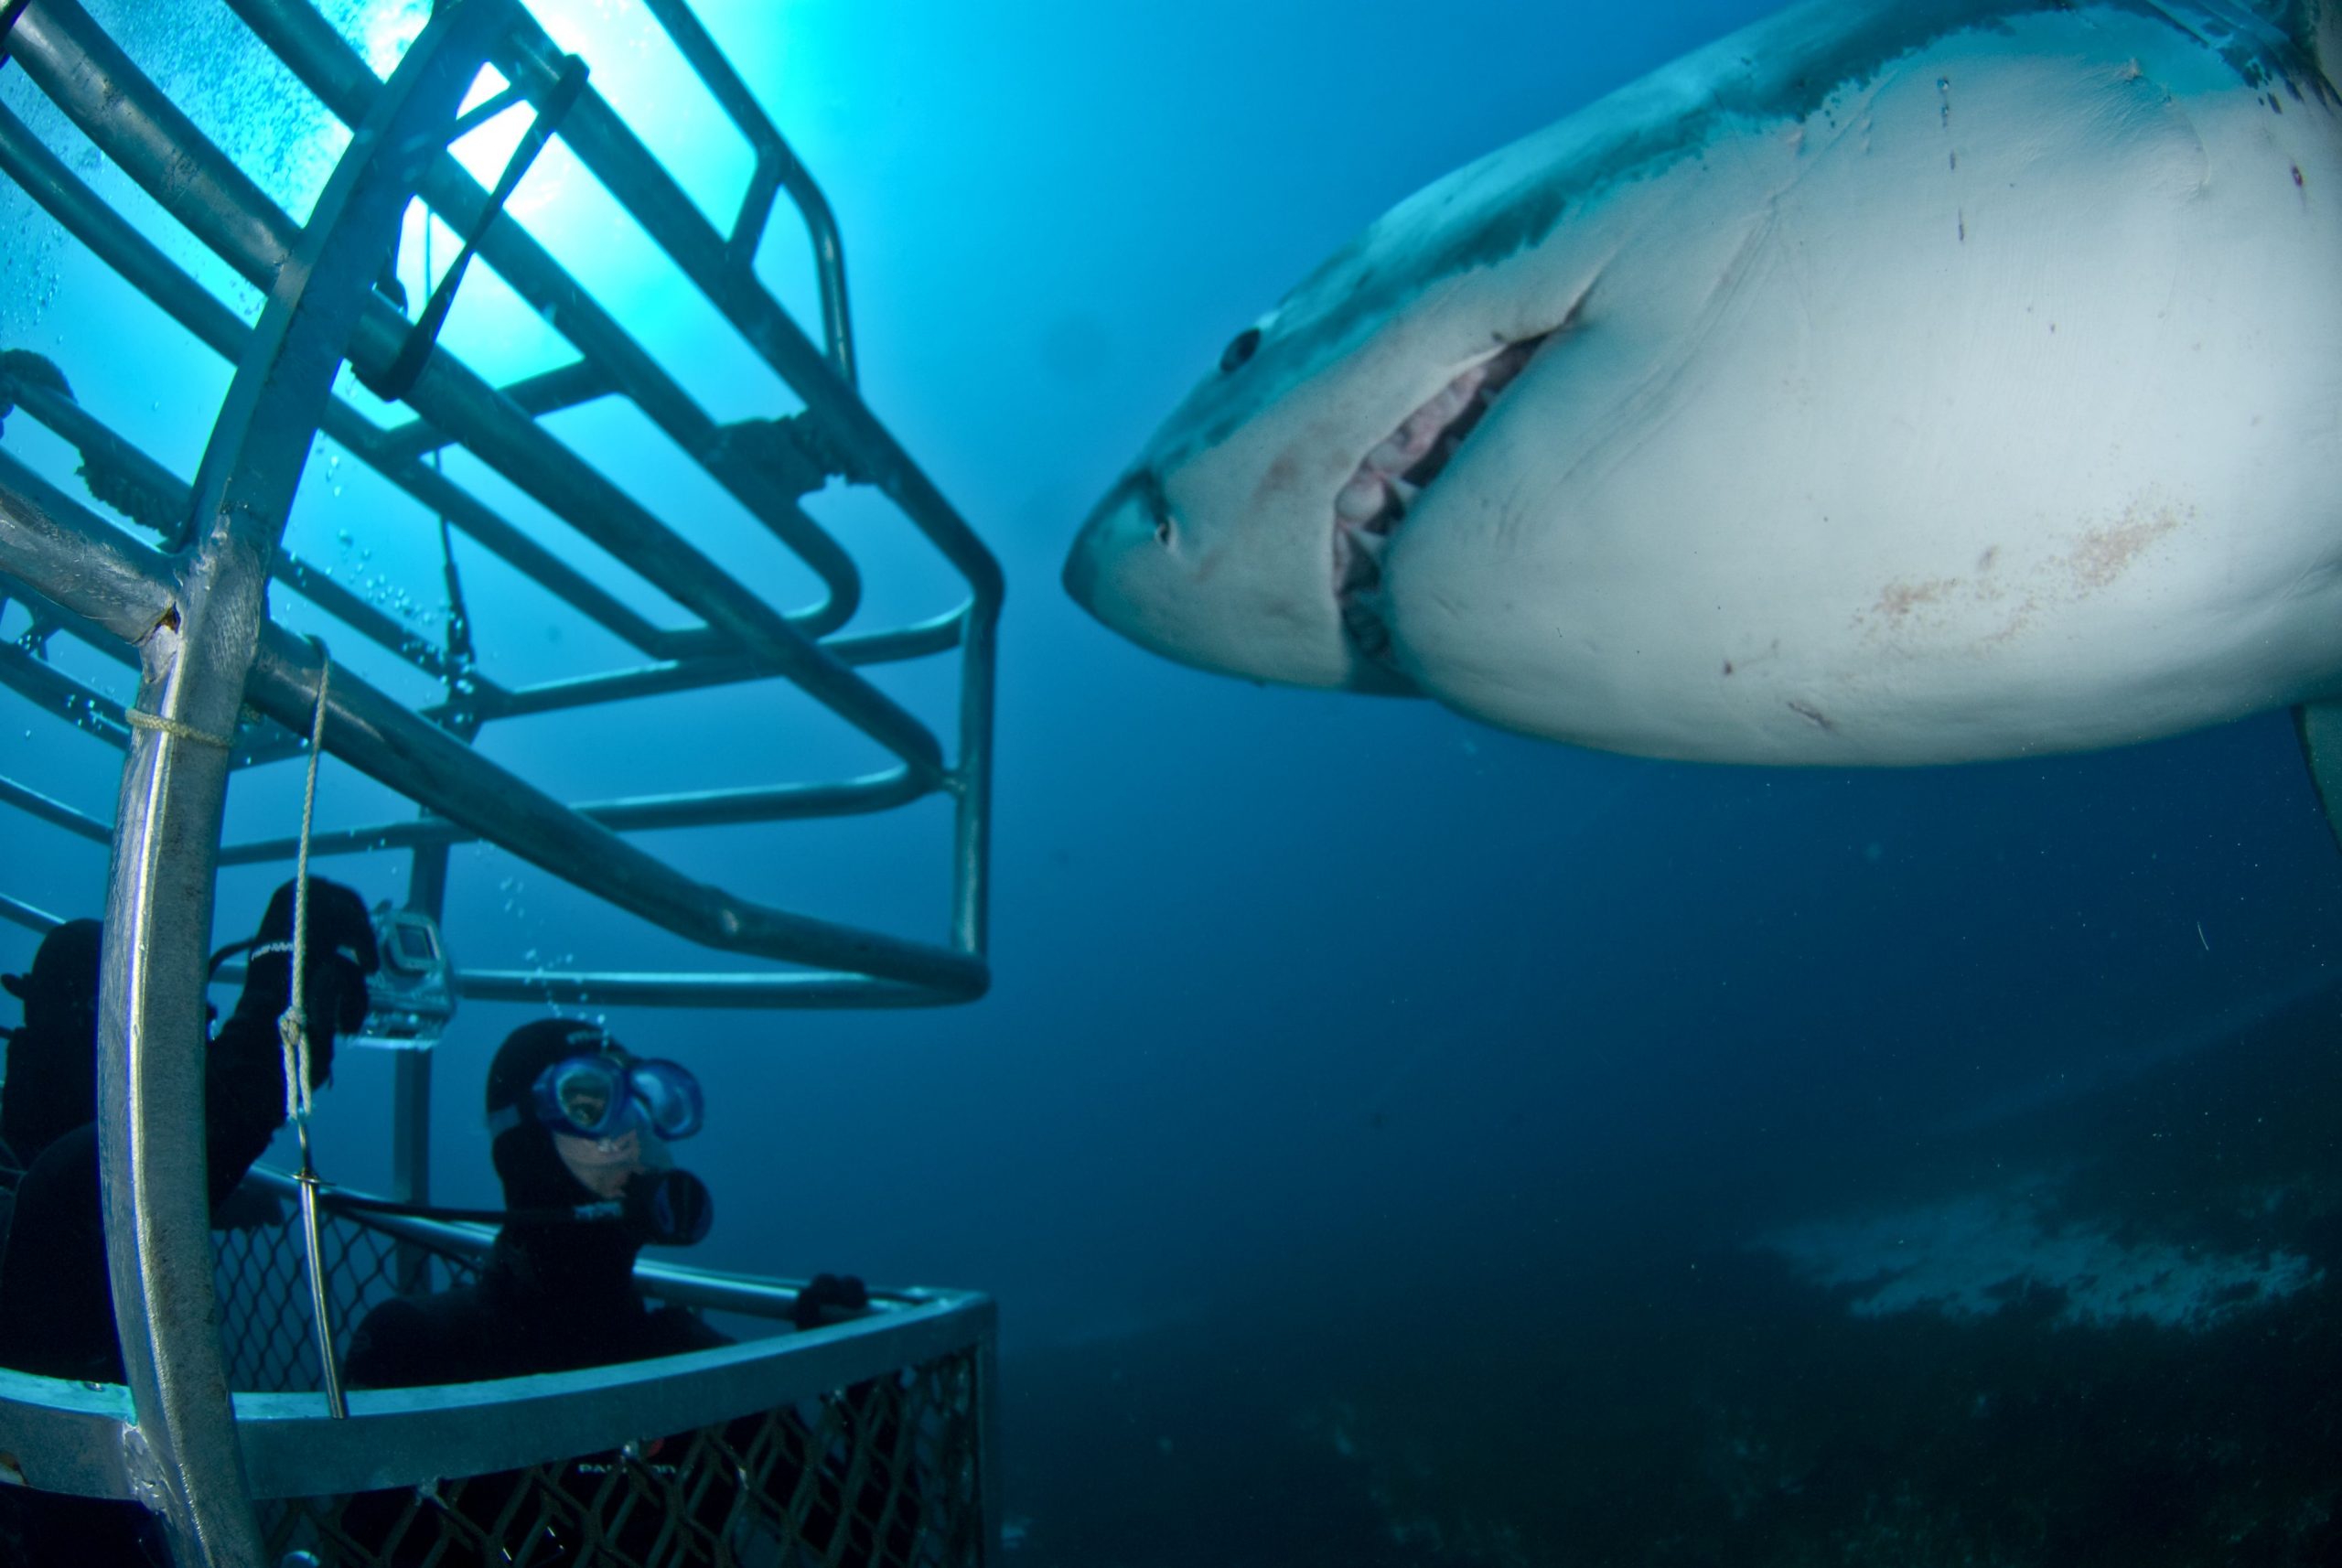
52	1082
56	1307
581	1128
55	1300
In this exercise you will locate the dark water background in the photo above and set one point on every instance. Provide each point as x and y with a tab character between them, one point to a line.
1371	1122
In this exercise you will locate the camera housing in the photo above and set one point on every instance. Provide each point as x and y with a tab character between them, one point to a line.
410	999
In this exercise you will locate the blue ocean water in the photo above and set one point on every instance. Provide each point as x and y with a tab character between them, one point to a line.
1392	1140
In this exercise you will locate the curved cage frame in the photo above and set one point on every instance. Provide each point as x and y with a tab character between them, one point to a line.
220	686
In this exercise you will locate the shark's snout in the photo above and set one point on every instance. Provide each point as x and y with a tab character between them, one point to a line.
1118	533
1080	574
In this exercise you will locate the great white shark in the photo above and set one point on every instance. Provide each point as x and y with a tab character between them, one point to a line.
1893	382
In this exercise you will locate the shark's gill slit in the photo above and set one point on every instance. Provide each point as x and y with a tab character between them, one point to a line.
1390	478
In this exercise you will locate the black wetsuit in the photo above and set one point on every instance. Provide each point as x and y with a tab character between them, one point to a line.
57	1305
52	1082
559	1297
555	1298
52	1087
552	1298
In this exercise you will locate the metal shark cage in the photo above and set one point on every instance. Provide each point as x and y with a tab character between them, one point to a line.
865	1441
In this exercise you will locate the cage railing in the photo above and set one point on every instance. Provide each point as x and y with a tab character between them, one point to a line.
862	1442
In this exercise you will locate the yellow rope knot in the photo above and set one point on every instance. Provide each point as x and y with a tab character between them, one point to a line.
139	718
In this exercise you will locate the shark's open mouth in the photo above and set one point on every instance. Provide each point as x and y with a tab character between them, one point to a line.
1390	478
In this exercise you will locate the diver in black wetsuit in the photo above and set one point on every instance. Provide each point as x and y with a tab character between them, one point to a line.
577	1121
55	1303
52	1083
55	1307
558	1293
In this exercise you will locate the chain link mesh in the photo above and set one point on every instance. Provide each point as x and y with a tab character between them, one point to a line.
261	1267
883	1473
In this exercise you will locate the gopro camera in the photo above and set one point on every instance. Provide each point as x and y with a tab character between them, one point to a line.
412	997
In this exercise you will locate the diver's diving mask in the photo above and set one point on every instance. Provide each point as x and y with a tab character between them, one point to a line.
610	1094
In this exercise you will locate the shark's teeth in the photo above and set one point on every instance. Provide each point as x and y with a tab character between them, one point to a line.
1360	498
1375	499
1357	558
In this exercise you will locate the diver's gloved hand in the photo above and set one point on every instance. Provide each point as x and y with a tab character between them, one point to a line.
828	1298
341	954
668	1208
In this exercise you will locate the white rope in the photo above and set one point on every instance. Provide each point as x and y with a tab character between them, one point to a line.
292	1025
293	1032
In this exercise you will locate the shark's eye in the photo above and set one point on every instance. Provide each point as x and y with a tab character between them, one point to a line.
1240	348
1163	531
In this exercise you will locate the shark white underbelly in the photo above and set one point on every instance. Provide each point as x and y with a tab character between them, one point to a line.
1888	383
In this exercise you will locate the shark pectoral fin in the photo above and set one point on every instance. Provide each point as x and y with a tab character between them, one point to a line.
2320	726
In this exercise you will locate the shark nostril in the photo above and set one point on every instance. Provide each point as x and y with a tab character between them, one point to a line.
1149	491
